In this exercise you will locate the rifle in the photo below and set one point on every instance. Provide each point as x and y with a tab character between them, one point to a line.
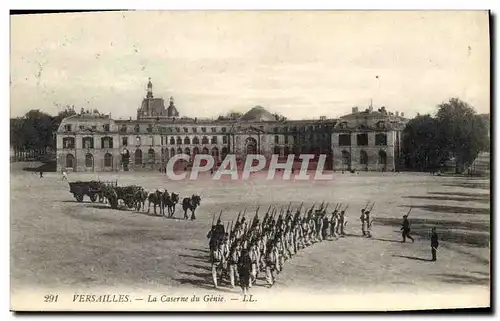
345	209
213	218
338	206
288	209
244	211
326	206
408	214
366	206
371	208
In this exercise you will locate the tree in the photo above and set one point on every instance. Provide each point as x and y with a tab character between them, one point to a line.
420	143
279	117
461	131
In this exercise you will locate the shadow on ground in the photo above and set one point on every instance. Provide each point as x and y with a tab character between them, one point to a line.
413	258
451	198
47	167
469	185
451	209
463	279
478	195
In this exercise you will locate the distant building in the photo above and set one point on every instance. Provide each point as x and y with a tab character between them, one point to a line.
363	140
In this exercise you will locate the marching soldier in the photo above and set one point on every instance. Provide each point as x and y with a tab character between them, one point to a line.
342	223
271	264
406	229
217	257
254	257
364	224
234	256
244	270
434	243
368	224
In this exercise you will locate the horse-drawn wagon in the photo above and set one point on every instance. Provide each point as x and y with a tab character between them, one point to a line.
93	189
128	194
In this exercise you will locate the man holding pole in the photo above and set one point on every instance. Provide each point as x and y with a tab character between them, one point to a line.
406	228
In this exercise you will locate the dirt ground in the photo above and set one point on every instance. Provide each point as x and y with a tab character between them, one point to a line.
59	243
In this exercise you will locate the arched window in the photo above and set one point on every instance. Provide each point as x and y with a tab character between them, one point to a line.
204	140
382	157
172	152
215	152
346	158
187	141
106	142
138	157
89	160
363	158
137	129
224	152
179	140
108	160
205	151
123	128
172	141
68	142
196	140
179	150
187	151
70	161
151	155
276	139
277	150
214	140
286	152
196	150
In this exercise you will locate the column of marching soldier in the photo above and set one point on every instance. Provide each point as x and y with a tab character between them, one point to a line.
244	250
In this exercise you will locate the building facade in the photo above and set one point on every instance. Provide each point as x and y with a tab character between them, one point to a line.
367	140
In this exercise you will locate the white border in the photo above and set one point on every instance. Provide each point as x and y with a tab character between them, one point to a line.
179	5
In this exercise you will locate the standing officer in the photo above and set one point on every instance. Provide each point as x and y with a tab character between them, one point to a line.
434	243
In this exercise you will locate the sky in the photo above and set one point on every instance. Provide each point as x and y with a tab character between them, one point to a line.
303	65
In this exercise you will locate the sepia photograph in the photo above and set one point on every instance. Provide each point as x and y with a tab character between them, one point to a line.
196	160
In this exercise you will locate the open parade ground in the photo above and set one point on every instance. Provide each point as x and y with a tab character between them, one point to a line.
57	243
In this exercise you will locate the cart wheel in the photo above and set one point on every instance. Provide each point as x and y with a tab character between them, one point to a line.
79	198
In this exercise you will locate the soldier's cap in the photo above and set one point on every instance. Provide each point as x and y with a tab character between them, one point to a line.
367	212
218	221
405	216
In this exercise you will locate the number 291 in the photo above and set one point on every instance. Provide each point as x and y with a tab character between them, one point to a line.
50	298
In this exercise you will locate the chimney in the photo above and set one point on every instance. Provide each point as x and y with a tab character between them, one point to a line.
402	114
354	110
397	113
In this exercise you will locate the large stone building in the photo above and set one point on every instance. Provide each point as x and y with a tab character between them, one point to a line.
363	140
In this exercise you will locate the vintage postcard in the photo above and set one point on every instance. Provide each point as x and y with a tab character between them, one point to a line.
250	161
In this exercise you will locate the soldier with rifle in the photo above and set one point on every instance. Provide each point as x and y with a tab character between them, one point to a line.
406	228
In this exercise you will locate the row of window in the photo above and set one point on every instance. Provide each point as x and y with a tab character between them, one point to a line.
69	127
137	129
362	139
87	142
363	157
138	159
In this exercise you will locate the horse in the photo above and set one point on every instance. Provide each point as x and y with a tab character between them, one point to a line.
169	201
157	199
140	199
190	203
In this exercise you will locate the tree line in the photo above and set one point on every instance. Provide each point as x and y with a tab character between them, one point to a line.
33	135
455	133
